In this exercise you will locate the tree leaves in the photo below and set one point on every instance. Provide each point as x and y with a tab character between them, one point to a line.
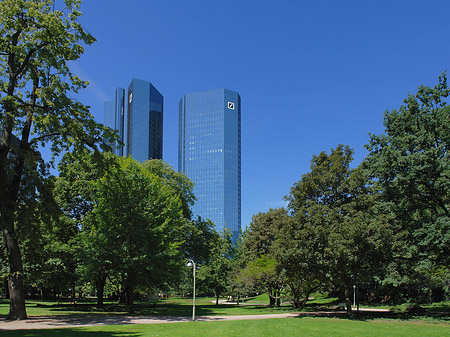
410	168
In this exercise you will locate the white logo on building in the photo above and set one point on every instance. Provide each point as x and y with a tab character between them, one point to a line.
231	105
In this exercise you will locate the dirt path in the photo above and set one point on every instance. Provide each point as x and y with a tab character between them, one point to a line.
51	322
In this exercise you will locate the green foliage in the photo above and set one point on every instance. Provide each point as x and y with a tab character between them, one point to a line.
261	275
336	235
409	166
262	233
259	270
201	240
129	221
178	182
136	227
213	277
36	88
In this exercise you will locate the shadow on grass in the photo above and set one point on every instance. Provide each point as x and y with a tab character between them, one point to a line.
90	310
368	316
441	308
67	332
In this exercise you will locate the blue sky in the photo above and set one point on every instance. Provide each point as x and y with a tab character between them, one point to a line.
311	74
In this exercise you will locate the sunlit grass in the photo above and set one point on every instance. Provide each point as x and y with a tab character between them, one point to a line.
167	307
302	327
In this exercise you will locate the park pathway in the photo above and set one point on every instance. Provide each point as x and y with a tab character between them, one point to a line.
50	322
73	321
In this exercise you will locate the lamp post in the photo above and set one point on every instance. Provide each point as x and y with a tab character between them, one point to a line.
190	263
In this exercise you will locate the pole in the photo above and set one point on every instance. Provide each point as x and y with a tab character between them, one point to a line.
193	306
354	295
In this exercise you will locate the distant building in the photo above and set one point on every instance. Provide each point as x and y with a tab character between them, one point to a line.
144	121
209	153
143	132
114	118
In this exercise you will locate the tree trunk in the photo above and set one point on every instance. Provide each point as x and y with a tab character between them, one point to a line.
130	295
6	288
271	299
123	292
9	192
348	302
100	287
217	299
15	287
303	302
15	280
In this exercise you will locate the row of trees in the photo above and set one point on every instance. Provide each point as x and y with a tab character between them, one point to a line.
104	220
331	236
384	225
116	223
112	226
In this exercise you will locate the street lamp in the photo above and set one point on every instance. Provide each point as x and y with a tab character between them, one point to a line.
190	263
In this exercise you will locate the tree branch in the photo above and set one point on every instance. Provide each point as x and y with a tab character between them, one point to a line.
41	137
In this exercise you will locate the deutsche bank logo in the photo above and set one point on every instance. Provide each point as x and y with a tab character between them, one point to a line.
231	105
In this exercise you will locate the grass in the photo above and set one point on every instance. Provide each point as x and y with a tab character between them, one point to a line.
259	298
269	327
204	307
434	322
166	307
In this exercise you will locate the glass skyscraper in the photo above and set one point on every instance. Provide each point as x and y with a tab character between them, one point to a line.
114	118
145	121
209	153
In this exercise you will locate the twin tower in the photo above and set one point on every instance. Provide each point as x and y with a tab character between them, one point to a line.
209	143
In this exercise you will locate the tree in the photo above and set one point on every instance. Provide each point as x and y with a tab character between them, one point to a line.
409	167
336	220
263	231
35	212
262	276
137	227
75	193
301	259
214	275
35	84
178	182
262	269
201	240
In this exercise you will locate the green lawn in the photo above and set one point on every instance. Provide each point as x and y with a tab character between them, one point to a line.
183	307
167	307
258	298
270	327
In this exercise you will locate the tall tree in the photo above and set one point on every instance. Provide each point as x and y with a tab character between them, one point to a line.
137	227
333	207
214	276
36	41
409	165
262	269
75	193
299	251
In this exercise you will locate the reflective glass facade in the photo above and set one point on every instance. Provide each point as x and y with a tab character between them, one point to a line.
145	121
209	153
114	118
